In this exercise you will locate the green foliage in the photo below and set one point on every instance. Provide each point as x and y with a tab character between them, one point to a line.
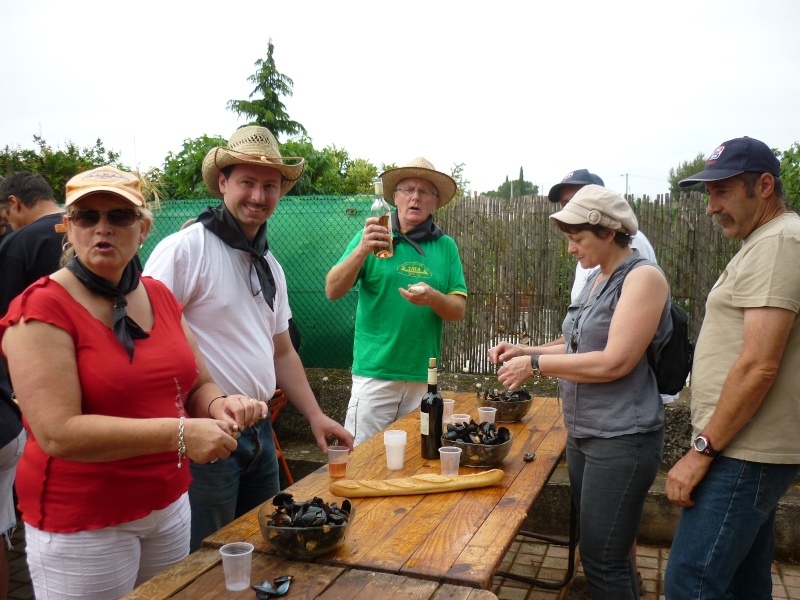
265	107
57	166
686	169
519	186
330	171
182	175
462	183
790	173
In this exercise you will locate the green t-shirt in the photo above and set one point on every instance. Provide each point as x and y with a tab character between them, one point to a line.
394	339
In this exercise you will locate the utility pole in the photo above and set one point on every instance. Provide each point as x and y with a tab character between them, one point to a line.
626	183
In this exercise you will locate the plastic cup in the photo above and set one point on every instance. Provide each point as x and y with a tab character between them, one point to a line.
449	458
395	442
337	460
236	559
448	412
486	414
460	418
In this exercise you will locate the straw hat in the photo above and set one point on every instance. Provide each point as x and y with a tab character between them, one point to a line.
422	168
251	145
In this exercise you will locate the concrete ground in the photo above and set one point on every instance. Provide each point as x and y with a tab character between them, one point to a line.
533	559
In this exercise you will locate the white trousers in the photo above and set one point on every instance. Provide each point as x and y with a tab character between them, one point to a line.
377	403
106	564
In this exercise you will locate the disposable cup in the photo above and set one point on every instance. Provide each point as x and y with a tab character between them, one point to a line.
448	412
486	414
395	442
236	559
449	458
460	418
337	460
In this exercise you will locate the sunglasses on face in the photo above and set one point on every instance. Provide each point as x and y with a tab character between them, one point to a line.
117	217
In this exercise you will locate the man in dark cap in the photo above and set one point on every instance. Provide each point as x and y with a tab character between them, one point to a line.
745	396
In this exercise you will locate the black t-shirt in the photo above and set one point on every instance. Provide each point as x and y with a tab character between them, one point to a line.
28	254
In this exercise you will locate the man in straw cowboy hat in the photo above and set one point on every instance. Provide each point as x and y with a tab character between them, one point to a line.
402	300
235	301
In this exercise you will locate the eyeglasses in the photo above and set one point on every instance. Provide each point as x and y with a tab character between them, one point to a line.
117	217
422	193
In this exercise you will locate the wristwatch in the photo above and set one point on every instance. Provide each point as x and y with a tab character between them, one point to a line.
702	445
535	365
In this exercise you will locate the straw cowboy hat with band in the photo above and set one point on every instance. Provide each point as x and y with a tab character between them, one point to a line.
251	145
422	168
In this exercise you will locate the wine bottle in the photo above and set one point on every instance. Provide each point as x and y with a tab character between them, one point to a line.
381	209
431	410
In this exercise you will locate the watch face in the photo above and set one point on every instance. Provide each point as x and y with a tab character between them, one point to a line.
700	444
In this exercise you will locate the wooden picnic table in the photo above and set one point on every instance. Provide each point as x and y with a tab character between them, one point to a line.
199	577
457	538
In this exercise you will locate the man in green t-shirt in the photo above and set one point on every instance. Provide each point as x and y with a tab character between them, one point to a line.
402	300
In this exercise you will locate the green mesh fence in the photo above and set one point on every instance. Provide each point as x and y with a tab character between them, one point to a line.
307	234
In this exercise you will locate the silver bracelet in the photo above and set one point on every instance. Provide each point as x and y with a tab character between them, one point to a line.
181	443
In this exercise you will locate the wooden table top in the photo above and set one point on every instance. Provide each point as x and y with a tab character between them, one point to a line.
452	537
200	577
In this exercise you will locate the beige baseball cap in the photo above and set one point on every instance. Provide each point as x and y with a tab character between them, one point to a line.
106	179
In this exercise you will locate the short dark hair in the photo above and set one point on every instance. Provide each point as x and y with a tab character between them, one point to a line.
621	239
28	187
750	179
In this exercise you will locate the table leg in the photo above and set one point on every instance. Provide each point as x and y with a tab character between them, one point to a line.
571	543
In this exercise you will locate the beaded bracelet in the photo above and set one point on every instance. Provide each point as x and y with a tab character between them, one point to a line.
181	443
208	408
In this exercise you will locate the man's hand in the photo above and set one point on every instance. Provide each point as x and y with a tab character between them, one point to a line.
324	427
514	372
684	477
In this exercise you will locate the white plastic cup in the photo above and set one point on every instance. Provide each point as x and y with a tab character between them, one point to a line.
486	414
236	561
337	460
448	412
395	442
460	418
449	458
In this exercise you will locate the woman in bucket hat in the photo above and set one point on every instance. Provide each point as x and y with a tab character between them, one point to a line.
402	300
106	372
235	299
612	409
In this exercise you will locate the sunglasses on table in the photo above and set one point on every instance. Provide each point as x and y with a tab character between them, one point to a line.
117	217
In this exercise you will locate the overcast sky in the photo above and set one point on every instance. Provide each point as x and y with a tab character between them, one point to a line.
617	87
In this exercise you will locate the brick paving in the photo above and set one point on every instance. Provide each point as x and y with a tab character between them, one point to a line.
525	557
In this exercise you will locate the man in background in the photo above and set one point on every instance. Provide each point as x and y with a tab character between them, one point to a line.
402	300
745	393
33	249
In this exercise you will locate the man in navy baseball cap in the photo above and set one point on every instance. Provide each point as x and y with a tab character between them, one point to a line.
734	157
573	180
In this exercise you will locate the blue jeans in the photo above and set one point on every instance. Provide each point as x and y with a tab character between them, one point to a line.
224	491
724	544
610	478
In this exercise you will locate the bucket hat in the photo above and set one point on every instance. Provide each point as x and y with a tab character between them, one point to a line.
596	205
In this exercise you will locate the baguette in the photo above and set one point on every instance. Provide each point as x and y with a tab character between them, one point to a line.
429	483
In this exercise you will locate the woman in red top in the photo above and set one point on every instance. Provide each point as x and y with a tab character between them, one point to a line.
109	376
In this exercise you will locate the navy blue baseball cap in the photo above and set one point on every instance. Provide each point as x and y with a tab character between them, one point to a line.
577	177
736	156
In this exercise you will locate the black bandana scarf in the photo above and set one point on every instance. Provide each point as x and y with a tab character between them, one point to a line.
125	329
425	231
221	223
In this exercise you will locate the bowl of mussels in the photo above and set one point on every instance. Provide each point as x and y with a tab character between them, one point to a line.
511	406
482	445
304	529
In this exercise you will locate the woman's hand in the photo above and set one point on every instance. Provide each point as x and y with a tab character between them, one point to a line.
504	351
207	440
514	372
